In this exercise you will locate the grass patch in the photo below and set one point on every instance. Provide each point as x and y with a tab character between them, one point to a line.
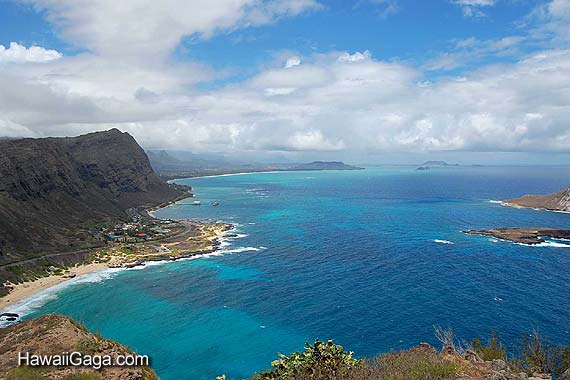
87	346
25	373
83	376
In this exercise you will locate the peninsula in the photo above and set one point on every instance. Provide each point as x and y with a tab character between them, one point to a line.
559	201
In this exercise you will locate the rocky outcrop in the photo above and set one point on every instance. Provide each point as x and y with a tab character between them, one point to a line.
55	335
554	202
53	190
529	236
471	367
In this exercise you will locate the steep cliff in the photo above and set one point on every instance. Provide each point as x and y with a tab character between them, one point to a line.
53	190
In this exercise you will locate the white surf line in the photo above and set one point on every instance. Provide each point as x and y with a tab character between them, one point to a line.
232	174
506	204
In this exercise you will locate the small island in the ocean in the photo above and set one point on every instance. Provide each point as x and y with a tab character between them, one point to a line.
435	164
529	236
559	201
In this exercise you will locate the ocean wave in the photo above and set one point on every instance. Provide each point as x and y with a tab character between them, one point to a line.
547	243
232	174
439	241
35	301
240	250
556	244
27	305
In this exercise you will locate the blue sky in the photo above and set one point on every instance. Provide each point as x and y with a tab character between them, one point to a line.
365	78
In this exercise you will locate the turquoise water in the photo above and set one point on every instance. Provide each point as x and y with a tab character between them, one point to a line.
345	255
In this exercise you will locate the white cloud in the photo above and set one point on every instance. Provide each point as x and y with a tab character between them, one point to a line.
324	104
469	50
292	62
18	53
358	56
479	3
332	101
472	8
152	29
553	20
313	140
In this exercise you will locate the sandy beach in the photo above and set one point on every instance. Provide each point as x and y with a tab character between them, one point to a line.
26	289
183	240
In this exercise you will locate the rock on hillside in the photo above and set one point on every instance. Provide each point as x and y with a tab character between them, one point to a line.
53	335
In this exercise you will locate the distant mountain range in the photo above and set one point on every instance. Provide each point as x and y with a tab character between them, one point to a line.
437	163
434	164
53	190
169	167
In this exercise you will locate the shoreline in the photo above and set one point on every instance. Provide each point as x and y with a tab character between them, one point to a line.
24	290
27	289
229	174
261	172
515	205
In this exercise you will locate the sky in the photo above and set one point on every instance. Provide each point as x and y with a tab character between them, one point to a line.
378	81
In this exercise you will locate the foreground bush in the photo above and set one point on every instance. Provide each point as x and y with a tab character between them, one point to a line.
321	360
480	360
327	361
493	350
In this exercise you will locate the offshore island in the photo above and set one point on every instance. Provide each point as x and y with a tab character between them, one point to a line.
556	202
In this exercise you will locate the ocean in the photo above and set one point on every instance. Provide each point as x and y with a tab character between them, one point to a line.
372	259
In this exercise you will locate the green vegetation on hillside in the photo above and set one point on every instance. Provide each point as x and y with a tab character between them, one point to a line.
482	359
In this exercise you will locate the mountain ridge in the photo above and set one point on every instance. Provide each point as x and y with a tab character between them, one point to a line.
170	167
52	191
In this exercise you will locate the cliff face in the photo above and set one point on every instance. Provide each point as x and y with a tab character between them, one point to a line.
52	189
555	202
55	335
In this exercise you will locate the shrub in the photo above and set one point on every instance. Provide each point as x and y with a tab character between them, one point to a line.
321	360
541	355
494	349
326	361
25	373
87	346
415	364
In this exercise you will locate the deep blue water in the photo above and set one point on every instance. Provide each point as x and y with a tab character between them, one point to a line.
343	255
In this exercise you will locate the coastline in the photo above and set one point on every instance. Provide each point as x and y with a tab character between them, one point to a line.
25	290
260	172
229	174
515	205
29	288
